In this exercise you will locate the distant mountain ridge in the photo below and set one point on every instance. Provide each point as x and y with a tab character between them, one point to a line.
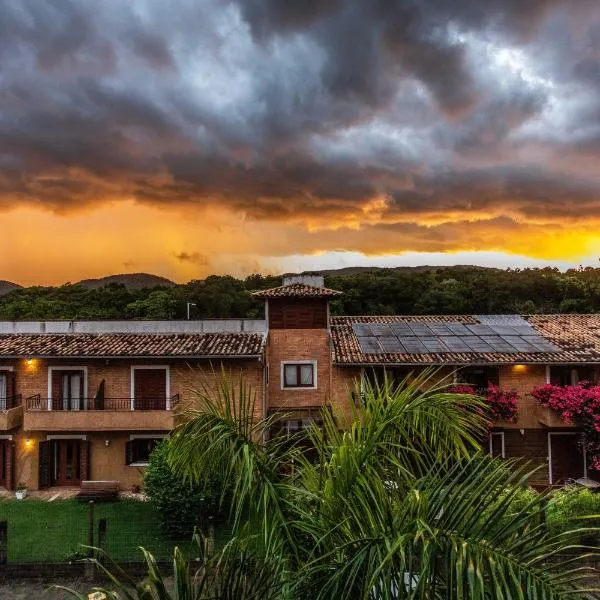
8	286
419	268
134	281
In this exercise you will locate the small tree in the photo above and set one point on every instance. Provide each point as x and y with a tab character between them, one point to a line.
182	506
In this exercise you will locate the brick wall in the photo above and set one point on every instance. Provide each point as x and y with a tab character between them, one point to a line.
108	461
298	345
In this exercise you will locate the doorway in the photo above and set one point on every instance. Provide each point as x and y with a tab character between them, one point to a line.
60	462
566	457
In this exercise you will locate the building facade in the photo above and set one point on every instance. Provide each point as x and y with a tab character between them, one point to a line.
88	400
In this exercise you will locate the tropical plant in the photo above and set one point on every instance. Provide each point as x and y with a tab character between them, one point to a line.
570	508
395	504
211	578
182	506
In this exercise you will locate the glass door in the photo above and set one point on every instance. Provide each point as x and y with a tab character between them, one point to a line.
66	465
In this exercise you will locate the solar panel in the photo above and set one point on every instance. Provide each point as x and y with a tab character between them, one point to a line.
439	328
497	343
458	329
477	344
420	329
362	329
413	345
480	329
455	343
381	330
452	336
401	329
519	344
433	344
542	344
369	345
390	344
501	320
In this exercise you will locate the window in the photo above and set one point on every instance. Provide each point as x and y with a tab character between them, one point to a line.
496	442
562	375
479	377
299	375
138	450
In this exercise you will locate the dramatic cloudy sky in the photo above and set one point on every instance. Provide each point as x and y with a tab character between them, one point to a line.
196	136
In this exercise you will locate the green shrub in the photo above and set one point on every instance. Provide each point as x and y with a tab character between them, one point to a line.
567	506
181	506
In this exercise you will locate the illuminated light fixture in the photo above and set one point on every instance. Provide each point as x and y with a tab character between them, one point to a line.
520	368
28	442
29	362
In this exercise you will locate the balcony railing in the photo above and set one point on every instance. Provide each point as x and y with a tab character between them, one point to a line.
10	402
36	402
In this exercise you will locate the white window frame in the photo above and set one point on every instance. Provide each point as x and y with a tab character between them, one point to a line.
144	436
135	368
501	434
298	362
69	368
550	434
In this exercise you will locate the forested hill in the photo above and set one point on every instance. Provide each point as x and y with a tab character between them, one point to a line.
423	290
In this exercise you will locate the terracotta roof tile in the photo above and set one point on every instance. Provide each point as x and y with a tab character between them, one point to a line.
577	337
297	290
132	344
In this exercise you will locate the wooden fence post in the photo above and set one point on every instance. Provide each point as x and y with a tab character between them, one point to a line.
3	542
89	566
101	536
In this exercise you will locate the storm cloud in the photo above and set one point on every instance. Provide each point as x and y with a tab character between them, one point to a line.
324	113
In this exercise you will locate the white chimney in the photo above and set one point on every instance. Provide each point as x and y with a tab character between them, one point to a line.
313	280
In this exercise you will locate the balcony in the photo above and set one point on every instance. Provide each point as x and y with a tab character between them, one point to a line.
11	412
100	414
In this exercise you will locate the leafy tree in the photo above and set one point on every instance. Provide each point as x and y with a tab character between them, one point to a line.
182	506
395	506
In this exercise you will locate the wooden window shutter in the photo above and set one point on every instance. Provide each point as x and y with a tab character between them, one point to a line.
10	384
130	454
44	466
57	401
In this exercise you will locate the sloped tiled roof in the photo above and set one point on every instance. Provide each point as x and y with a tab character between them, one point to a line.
132	344
297	290
577	338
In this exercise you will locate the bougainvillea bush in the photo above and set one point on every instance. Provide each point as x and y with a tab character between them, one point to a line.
576	404
503	404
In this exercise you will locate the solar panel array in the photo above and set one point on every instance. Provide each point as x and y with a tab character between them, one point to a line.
497	333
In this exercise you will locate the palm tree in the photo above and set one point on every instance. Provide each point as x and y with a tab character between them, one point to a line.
397	504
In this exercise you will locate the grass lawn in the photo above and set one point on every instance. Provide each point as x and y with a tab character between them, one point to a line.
54	531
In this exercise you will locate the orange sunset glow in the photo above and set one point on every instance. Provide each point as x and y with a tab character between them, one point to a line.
251	137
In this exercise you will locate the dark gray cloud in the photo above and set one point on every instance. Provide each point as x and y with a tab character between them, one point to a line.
312	109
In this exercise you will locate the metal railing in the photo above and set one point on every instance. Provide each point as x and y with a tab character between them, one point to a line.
10	402
109	404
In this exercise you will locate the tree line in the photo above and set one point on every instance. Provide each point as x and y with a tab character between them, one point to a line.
424	290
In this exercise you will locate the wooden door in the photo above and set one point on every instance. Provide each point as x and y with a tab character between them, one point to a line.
150	386
68	390
566	457
3	457
66	462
